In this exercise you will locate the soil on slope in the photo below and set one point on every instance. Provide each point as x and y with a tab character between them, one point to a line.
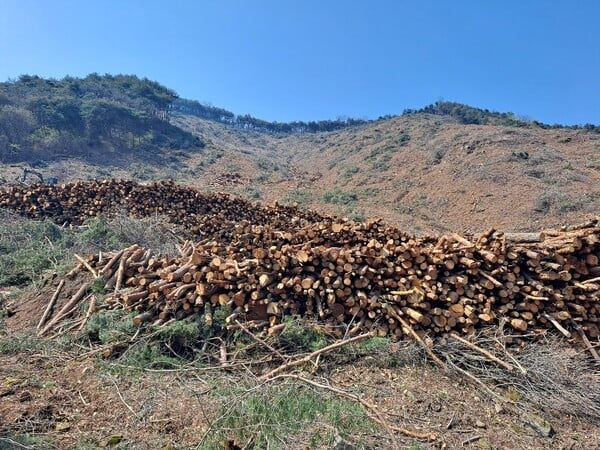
427	174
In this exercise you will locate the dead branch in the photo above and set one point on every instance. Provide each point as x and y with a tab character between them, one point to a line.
66	310
585	340
307	358
51	304
262	342
482	351
557	325
86	265
417	338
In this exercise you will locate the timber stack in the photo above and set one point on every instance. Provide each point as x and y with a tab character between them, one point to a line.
198	213
262	264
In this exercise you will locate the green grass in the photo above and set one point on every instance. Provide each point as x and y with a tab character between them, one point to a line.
276	415
169	346
29	248
301	197
339	197
25	341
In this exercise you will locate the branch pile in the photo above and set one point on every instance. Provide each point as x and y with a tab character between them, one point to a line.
262	264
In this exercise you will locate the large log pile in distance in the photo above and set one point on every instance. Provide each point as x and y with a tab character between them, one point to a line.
200	214
262	264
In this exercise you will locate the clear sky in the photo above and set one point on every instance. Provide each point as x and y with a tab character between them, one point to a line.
319	59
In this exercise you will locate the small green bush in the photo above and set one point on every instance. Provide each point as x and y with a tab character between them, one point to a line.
339	197
298	336
29	248
109	326
300	197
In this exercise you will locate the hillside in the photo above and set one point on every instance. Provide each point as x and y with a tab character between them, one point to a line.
444	167
425	172
99	119
167	314
281	331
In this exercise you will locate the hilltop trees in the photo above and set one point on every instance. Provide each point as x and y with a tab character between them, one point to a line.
39	117
249	122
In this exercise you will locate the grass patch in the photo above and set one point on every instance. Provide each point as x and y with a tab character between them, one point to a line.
339	197
168	346
277	415
252	193
300	197
348	172
26	341
28	249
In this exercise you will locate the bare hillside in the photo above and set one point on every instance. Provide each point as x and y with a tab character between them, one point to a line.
423	172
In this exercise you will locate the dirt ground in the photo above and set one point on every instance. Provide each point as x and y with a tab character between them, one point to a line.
54	396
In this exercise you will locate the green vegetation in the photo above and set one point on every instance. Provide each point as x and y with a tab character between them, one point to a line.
251	193
380	157
22	342
339	197
349	172
86	117
29	248
248	122
300	197
298	336
276	415
470	115
266	165
466	114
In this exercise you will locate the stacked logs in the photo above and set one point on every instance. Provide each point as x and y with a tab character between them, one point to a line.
199	213
259	263
358	277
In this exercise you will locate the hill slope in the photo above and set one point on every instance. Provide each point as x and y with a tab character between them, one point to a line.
445	167
424	172
97	118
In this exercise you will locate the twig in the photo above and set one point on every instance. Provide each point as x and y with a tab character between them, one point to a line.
123	400
51	304
372	410
471	439
262	342
87	265
307	358
478	381
417	338
557	325
82	399
586	341
484	352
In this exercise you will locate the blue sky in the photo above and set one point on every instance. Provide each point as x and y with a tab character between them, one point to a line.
309	60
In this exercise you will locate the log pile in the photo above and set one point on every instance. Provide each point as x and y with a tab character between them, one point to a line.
262	264
200	214
358	277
